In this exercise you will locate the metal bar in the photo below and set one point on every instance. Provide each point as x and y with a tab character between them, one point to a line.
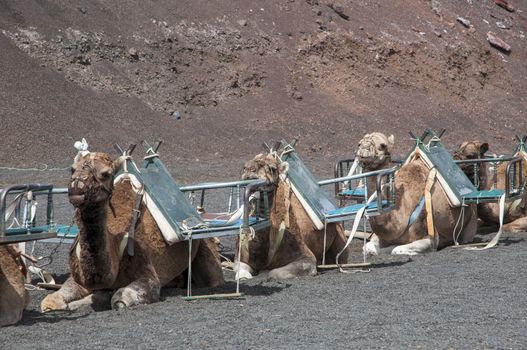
246	194
12	189
484	160
215	296
357	176
216	185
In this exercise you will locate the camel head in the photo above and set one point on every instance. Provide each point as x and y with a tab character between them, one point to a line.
470	150
375	150
91	181
264	166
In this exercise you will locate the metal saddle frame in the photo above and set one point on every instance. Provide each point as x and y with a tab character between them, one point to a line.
183	219
320	206
21	211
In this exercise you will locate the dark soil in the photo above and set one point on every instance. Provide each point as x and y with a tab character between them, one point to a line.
449	299
216	79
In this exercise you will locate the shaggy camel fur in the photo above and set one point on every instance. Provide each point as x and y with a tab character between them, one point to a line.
392	230
13	294
97	261
515	216
302	245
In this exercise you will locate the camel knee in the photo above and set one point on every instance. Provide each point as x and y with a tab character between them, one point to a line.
299	268
11	316
143	292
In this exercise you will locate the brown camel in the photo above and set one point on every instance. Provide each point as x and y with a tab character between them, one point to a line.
13	294
98	260
515	214
394	230
292	246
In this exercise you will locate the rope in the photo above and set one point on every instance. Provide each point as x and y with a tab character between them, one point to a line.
44	168
462	219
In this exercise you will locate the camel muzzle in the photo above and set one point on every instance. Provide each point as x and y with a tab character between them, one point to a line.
77	192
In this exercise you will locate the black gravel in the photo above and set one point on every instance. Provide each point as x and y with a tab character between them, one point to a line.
448	299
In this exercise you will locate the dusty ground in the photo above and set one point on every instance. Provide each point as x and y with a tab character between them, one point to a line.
450	299
215	79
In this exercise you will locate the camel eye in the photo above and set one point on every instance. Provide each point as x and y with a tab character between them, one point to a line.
106	174
383	146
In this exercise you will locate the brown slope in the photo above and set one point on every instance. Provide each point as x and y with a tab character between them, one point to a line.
241	73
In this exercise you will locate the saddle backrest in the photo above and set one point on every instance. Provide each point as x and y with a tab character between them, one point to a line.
313	197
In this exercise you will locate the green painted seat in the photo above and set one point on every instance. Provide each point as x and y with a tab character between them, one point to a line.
457	185
176	217
319	205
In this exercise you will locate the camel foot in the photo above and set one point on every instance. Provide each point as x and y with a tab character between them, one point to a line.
415	248
372	248
53	302
97	301
244	272
402	250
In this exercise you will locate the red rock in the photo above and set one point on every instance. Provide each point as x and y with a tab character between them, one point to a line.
505	4
497	42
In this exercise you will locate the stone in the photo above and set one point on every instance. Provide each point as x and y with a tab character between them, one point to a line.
465	22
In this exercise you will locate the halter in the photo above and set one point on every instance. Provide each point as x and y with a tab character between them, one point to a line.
90	191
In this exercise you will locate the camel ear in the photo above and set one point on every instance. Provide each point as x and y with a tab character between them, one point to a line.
116	165
283	168
483	148
391	140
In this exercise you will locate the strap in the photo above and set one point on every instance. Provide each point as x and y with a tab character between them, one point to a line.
135	216
355	226
496	238
416	212
428	202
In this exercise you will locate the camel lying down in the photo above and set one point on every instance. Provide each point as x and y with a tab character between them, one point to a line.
292	246
394	231
13	294
515	214
98	259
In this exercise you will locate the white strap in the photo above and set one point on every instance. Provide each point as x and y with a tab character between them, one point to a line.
356	223
352	170
496	238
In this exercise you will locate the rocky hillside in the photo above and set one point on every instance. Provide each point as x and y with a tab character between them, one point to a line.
214	79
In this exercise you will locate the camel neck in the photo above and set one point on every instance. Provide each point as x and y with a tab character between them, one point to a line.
97	257
372	180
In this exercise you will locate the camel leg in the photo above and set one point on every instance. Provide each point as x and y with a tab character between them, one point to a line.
144	290
469	231
305	266
518	225
206	267
98	301
13	296
336	247
416	247
59	300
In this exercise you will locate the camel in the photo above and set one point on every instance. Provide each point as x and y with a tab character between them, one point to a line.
515	214
292	246
98	260
13	294
394	231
